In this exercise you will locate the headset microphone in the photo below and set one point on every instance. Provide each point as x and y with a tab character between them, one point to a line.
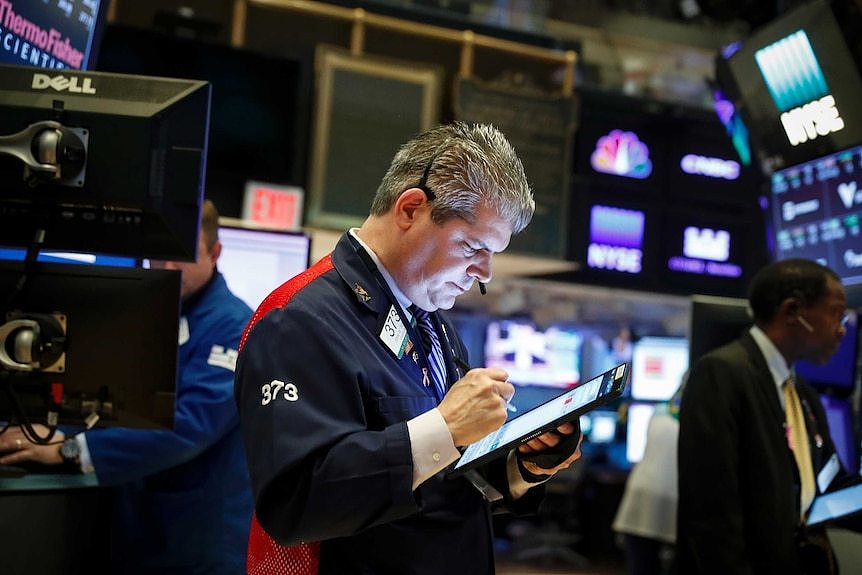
805	323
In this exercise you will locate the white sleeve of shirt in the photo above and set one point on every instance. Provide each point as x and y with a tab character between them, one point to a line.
433	449
431	445
86	460
517	486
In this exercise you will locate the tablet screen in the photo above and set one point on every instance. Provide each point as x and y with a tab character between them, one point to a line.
836	504
565	407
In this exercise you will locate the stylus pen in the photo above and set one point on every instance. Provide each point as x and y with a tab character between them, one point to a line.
465	368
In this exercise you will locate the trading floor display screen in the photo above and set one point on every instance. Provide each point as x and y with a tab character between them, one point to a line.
816	212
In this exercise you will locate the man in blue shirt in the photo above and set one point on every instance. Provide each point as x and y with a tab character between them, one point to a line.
182	501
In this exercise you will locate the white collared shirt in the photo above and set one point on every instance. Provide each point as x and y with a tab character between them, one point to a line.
431	444
774	360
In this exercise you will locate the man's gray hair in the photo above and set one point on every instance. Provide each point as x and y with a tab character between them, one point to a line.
466	165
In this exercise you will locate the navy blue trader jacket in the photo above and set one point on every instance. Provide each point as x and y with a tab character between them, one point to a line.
324	405
182	498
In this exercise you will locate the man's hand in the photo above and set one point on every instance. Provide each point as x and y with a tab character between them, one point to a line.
17	448
547	442
476	405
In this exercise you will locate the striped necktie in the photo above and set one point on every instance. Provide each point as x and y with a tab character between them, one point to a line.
797	439
432	348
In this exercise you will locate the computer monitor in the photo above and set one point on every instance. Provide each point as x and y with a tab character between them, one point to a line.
658	364
815	213
599	426
51	34
102	162
714	322
796	84
533	355
51	257
839	416
256	261
637	425
119	357
260	110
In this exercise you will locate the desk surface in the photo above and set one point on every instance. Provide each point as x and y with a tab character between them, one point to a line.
48	481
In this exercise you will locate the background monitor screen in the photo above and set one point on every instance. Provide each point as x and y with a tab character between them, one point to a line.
839	374
534	356
658	364
637	425
714	322
259	113
733	124
51	34
599	426
254	262
121	329
796	85
130	179
48	257
839	415
817	212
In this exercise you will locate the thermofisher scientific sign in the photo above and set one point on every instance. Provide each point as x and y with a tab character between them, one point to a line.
55	34
816	212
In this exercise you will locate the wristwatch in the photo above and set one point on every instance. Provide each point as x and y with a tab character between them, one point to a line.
70	451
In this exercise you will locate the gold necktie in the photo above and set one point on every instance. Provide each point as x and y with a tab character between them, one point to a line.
797	438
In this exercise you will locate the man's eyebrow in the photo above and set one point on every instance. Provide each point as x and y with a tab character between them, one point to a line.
478	245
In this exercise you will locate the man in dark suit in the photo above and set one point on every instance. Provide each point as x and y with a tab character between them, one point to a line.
746	478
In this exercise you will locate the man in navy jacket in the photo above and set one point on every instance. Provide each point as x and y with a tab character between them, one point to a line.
182	500
347	428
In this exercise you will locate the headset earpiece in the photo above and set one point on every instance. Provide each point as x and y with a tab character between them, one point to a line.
804	323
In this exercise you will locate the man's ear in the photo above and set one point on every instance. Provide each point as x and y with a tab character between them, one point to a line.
790	306
408	206
215	252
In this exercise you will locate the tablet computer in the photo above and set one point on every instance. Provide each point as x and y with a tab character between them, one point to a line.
568	406
835	505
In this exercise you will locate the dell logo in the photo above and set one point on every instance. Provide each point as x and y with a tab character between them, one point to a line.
62	84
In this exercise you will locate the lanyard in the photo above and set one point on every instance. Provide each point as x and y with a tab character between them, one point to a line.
411	329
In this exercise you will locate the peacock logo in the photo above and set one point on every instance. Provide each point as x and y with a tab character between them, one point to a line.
622	153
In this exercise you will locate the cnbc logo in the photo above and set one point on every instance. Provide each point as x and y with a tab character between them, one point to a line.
796	83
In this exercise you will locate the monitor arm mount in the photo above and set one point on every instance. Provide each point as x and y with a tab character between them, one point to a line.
33	342
51	152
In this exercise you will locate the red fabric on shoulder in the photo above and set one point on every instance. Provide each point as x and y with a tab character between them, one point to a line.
265	556
283	293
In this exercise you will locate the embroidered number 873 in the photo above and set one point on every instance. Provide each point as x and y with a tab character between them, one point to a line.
272	390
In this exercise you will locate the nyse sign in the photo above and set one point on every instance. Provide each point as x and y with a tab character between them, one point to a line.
614	258
816	118
616	237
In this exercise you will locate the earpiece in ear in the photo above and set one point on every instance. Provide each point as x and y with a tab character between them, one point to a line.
805	323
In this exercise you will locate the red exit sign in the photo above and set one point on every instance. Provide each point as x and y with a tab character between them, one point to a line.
272	206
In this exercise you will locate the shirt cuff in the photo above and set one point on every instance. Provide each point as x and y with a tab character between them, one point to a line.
86	460
431	445
517	485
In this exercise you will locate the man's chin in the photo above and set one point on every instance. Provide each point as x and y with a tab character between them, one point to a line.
444	303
